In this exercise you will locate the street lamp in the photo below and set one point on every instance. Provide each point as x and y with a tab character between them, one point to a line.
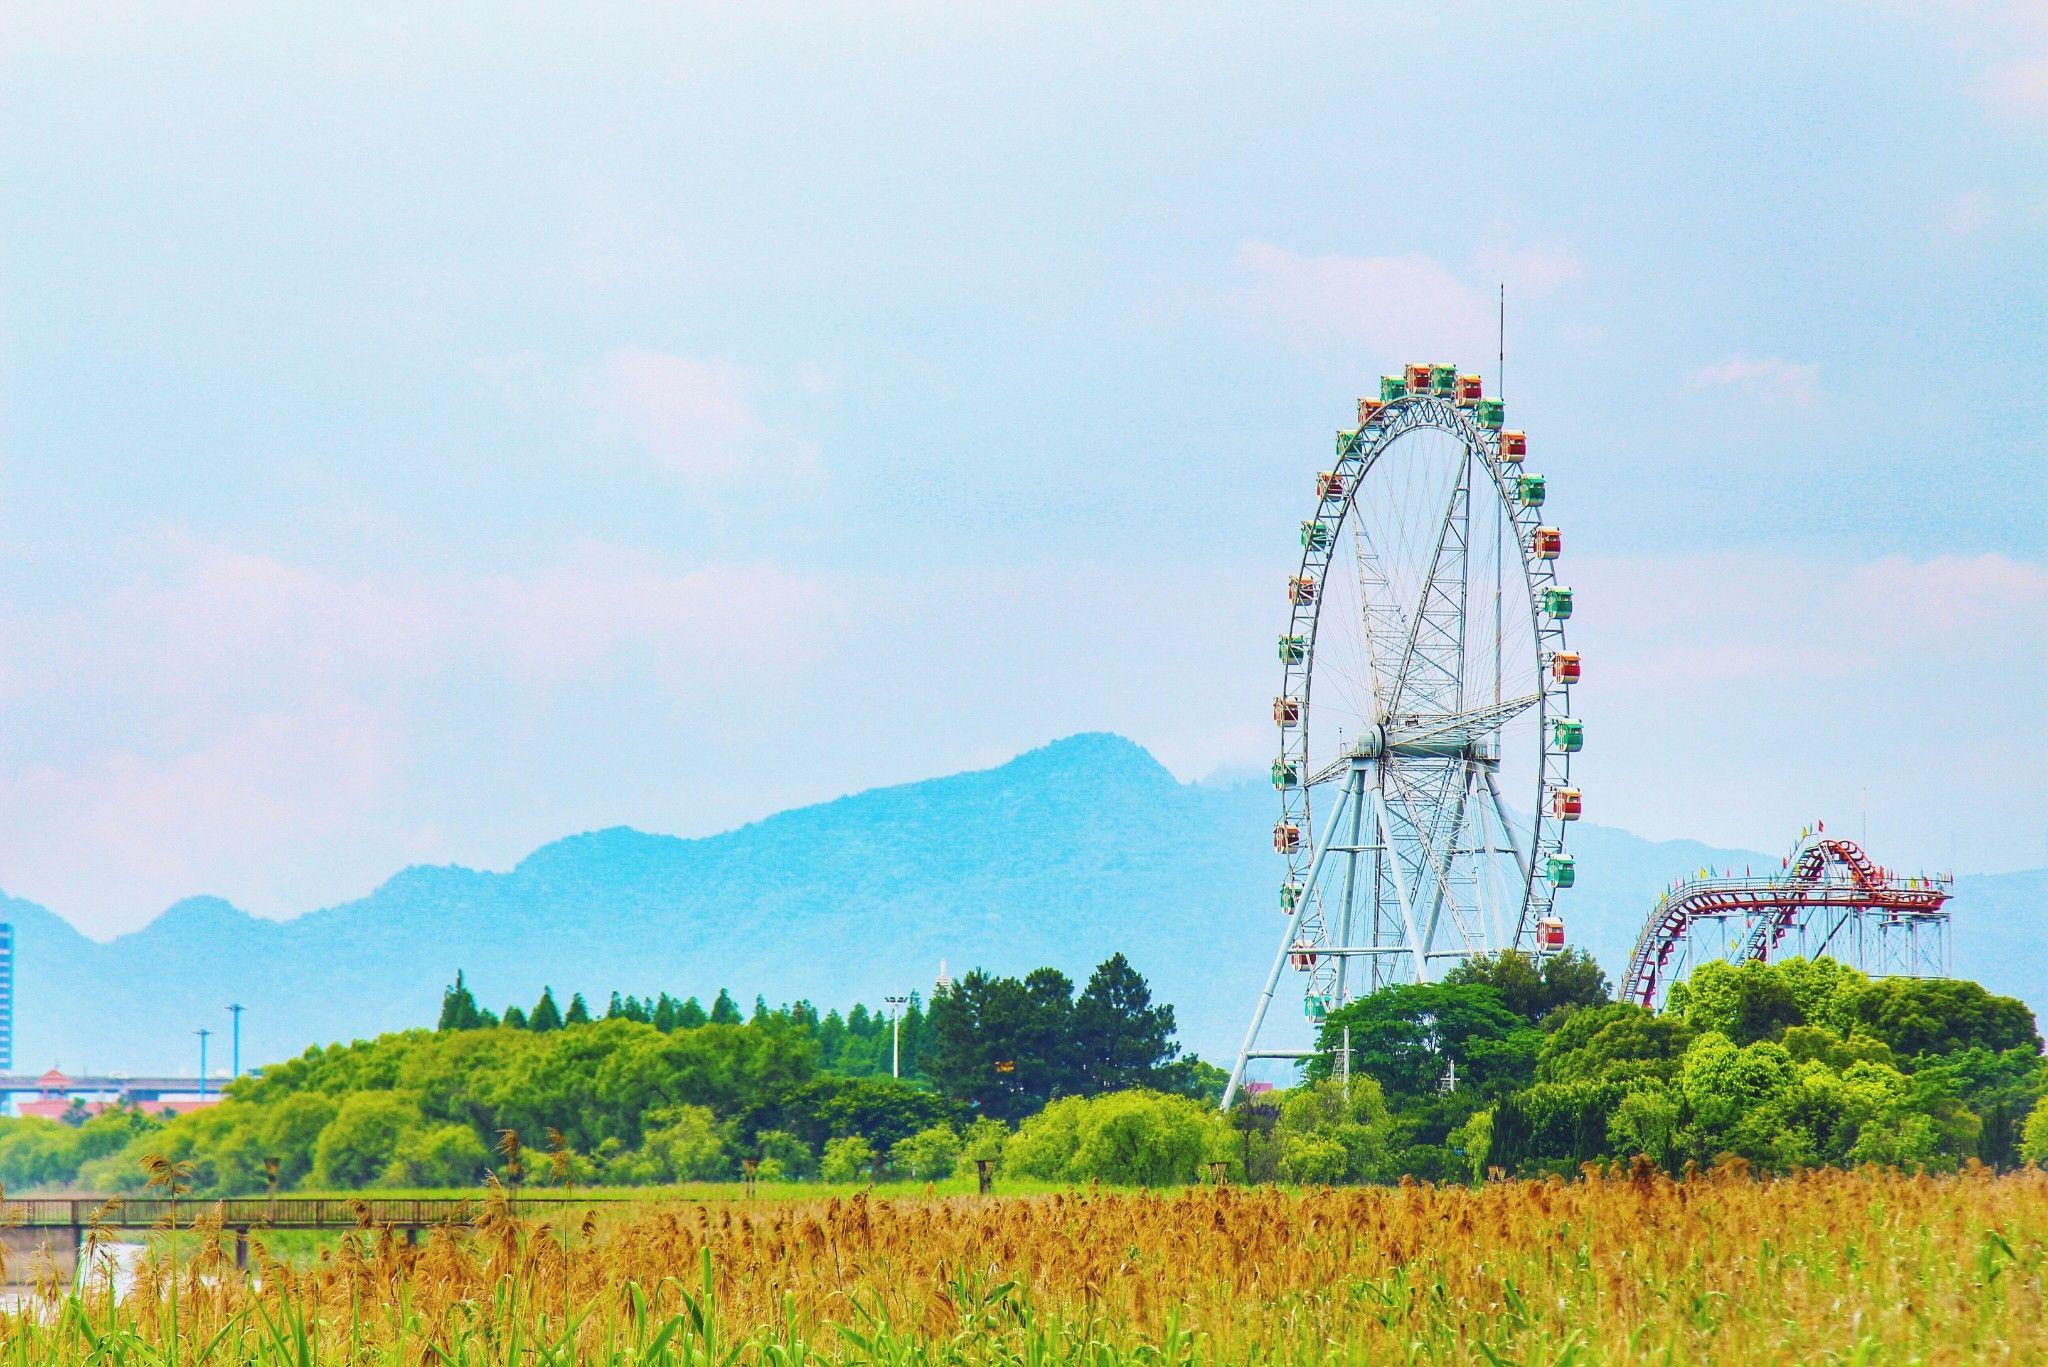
236	1012
896	1005
202	1060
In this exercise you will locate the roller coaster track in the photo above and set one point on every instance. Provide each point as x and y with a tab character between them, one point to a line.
1828	879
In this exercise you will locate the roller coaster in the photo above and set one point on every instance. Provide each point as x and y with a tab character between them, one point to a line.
1828	898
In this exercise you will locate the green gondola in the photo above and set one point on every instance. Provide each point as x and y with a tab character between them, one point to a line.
1293	649
1561	871
1315	536
1557	603
1529	489
1285	775
1491	413
1315	1007
1443	380
1568	734
1347	442
1392	387
1290	896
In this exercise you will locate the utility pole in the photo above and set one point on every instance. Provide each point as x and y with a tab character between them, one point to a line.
896	1005
202	1060
236	1012
1346	1068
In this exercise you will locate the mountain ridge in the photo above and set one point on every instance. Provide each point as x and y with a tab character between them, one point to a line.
1062	855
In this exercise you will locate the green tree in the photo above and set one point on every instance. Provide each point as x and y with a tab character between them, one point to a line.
359	1143
1003	1046
440	1156
1943	1015
1533	987
515	1018
579	1011
929	1154
1407	1036
1121	1040
1137	1138
2034	1137
458	1007
687	1144
546	1015
291	1130
725	1011
848	1158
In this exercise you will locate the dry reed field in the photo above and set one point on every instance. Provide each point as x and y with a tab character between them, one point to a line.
1829	1266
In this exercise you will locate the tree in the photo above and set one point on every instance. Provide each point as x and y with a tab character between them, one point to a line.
458	1007
360	1142
1121	1040
1407	1035
579	1011
2034	1136
1002	1045
687	1143
928	1155
546	1015
847	1159
291	1128
441	1156
515	1018
1140	1138
1534	987
691	1014
1942	1015
725	1011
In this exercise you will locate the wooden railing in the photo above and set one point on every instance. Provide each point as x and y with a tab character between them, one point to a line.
280	1212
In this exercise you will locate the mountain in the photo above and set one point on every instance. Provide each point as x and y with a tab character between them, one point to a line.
1063	856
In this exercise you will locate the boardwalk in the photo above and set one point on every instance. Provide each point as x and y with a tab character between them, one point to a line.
62	1223
280	1212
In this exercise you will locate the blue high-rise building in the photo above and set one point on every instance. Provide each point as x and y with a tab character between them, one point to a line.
6	997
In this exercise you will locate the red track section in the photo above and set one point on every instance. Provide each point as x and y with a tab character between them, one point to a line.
1826	873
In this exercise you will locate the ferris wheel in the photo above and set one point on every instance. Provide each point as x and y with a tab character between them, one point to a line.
1425	699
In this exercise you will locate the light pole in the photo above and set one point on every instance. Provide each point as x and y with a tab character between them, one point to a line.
235	1061
202	1059
896	1005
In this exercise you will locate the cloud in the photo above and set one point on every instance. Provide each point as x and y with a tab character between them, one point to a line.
1393	306
240	724
1767	379
1388	305
1737	693
695	418
2018	89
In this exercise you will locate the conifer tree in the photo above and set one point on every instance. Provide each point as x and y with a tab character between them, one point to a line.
546	1015
515	1018
725	1011
458	1007
579	1011
690	1015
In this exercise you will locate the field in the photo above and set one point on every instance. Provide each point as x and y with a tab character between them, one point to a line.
1866	1266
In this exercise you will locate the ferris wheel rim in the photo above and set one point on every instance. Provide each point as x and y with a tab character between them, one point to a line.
1359	453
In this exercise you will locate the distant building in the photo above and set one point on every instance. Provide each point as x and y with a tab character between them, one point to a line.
6	997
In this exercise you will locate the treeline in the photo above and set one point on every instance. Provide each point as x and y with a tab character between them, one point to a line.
857	1044
622	1100
1527	1069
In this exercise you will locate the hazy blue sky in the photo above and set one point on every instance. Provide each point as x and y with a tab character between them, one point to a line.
432	429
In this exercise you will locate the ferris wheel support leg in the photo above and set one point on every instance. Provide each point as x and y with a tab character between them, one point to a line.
1308	886
1401	892
1444	865
1354	785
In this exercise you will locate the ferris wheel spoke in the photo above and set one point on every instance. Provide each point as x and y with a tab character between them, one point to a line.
1433	659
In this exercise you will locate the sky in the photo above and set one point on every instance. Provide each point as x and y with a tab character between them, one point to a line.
428	430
